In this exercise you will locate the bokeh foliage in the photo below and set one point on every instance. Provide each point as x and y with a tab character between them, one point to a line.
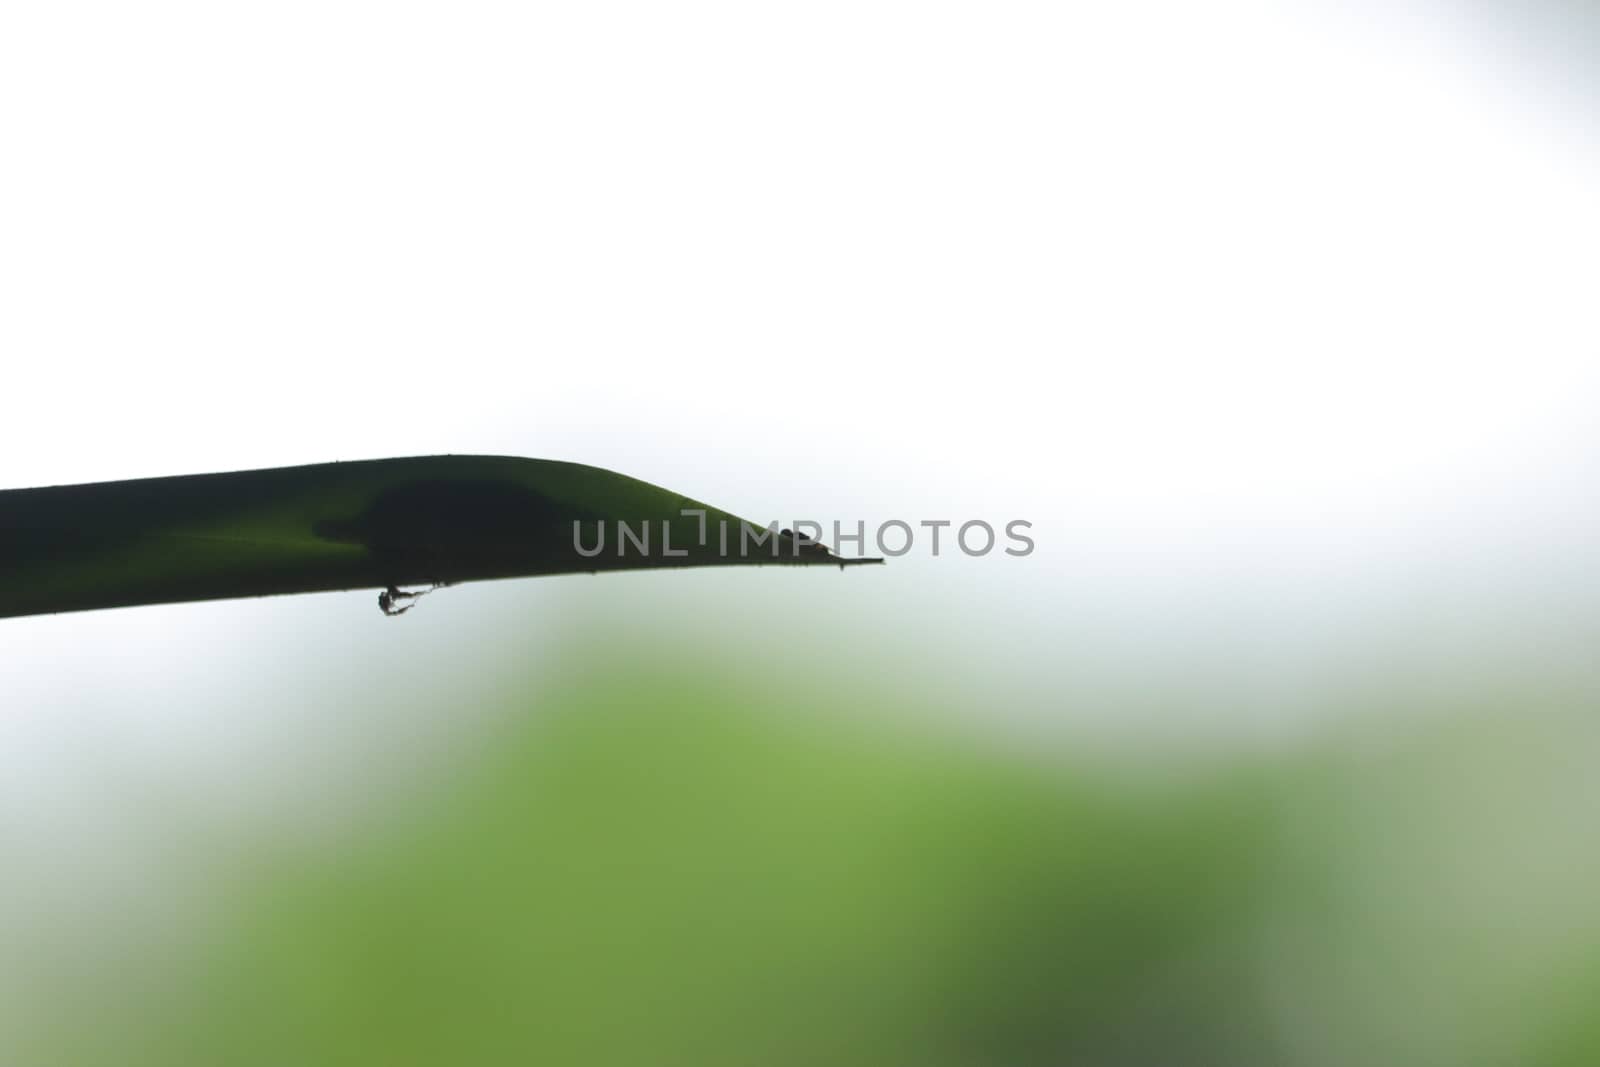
664	859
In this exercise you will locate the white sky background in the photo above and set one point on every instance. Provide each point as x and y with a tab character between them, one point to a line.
1207	292
1222	297
1160	273
1243	305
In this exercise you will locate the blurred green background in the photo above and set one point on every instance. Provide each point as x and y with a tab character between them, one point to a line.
731	841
